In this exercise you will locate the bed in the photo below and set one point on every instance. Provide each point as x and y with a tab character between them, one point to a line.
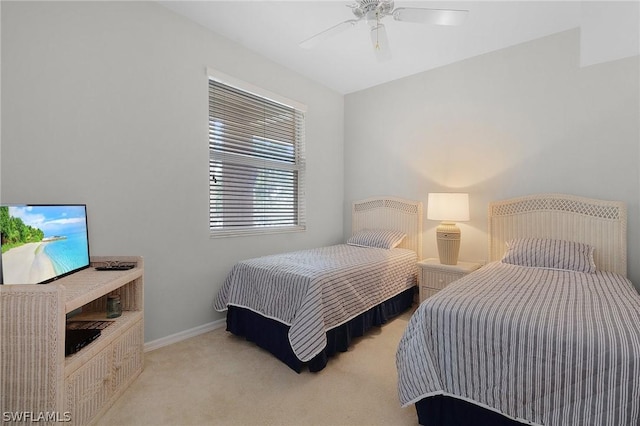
307	305
536	336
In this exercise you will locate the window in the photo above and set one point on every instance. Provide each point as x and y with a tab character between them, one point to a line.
256	160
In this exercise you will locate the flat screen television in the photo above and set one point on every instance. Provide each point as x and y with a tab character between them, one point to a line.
42	242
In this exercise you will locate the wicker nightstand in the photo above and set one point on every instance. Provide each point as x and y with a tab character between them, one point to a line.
433	276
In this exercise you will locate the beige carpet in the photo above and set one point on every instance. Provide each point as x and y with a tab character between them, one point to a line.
220	379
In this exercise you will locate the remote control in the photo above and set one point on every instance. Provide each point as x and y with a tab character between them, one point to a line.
114	268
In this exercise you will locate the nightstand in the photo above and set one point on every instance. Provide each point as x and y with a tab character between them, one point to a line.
433	276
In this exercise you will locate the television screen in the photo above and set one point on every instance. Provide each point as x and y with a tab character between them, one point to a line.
41	243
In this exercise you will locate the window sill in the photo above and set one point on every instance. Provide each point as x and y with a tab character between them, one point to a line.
255	231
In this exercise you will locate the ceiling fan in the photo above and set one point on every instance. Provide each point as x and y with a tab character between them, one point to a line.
373	11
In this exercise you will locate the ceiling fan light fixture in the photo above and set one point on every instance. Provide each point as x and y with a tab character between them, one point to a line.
373	19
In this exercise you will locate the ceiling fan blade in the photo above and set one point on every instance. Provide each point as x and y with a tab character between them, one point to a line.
430	16
380	43
328	33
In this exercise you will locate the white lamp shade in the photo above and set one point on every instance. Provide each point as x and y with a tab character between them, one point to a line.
448	206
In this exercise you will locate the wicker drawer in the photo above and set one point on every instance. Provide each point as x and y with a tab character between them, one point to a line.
434	277
439	280
89	388
127	356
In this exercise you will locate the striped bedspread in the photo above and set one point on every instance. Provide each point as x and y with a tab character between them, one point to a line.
541	346
315	290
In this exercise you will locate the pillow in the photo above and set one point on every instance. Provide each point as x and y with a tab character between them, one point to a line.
378	238
551	254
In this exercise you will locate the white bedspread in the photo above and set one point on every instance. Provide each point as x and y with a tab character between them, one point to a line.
316	290
544	346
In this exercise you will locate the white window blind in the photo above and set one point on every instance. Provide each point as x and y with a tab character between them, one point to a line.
256	163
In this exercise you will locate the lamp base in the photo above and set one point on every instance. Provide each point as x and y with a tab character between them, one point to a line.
448	238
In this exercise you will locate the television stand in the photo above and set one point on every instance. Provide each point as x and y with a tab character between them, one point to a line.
35	375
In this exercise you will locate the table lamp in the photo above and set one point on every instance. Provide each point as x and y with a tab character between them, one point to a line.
449	208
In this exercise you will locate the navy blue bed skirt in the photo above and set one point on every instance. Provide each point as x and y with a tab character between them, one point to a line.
441	410
273	335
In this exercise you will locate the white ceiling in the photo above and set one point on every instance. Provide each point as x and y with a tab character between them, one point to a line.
346	63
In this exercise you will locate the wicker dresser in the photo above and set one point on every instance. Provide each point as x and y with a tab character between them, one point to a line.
433	276
37	381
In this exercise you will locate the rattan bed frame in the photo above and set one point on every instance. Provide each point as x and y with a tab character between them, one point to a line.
390	213
601	224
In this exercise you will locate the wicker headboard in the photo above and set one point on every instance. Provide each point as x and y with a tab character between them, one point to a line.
601	224
390	213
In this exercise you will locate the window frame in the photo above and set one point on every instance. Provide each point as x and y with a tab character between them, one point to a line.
299	166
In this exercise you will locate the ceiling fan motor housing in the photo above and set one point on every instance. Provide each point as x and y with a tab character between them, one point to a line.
372	9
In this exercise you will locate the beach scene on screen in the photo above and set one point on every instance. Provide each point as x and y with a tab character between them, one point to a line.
42	242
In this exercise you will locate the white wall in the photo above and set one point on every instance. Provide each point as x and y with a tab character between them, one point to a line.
105	103
609	30
522	120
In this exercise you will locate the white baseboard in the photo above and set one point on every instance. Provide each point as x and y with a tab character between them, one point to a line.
177	337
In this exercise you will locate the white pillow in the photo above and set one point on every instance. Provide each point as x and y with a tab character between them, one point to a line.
551	254
378	238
